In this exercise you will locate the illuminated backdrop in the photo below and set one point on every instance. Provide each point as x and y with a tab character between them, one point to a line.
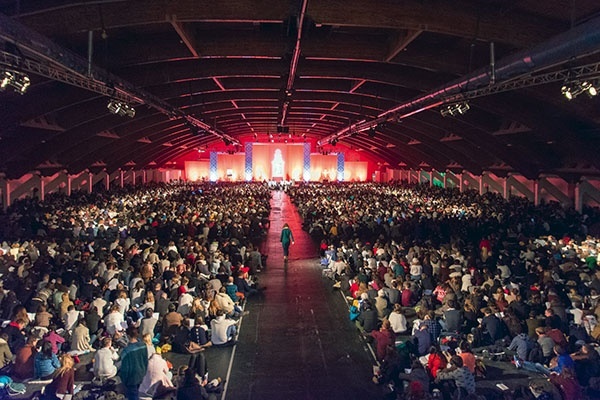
275	161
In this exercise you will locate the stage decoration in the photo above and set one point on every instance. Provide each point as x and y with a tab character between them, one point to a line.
213	166
340	167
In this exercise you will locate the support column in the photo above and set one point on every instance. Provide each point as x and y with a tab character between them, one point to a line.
144	176
571	189
90	182
5	194
505	190
460	182
68	184
42	188
578	198
107	182
431	178
133	177
446	180
121	178
537	191
480	182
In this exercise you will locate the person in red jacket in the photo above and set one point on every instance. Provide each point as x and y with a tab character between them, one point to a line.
408	296
436	362
384	337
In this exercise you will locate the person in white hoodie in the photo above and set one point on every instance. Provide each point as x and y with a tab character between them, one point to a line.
223	330
157	380
104	360
416	269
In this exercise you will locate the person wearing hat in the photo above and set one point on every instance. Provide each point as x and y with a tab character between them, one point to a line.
381	305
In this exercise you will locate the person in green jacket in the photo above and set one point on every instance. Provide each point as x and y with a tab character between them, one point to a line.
134	363
286	238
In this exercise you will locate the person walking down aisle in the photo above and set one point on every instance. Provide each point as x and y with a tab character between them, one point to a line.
134	363
286	238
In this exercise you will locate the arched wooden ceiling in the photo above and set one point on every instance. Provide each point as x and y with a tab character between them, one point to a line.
228	63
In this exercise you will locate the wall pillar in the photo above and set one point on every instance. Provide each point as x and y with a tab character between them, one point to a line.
121	178
480	182
536	192
578	197
42	188
5	193
68	184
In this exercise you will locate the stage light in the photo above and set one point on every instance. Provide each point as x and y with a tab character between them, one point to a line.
573	89
334	141
372	132
566	91
455	109
18	81
120	108
226	141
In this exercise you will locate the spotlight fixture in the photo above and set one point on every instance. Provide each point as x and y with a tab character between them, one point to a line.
573	89
372	132
18	81
334	141
120	108
226	141
455	109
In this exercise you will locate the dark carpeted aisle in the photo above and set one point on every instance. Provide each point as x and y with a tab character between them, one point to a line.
297	342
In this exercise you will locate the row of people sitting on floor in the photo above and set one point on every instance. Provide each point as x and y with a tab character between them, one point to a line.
113	299
416	262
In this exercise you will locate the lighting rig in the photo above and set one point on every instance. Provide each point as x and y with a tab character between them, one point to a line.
573	89
18	81
120	108
455	109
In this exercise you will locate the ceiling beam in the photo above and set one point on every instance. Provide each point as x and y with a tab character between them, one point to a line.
401	42
187	36
468	20
289	88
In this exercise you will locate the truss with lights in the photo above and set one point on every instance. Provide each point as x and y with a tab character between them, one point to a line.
585	73
20	82
121	108
46	58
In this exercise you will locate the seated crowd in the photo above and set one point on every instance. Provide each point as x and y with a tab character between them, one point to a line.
116	276
435	275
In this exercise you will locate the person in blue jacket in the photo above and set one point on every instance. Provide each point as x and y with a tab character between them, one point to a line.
45	362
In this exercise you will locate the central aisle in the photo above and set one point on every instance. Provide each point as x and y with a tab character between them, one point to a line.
297	342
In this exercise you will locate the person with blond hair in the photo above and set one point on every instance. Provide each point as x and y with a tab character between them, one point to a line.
63	380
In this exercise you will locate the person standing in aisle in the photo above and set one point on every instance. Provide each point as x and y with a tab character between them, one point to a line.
286	238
